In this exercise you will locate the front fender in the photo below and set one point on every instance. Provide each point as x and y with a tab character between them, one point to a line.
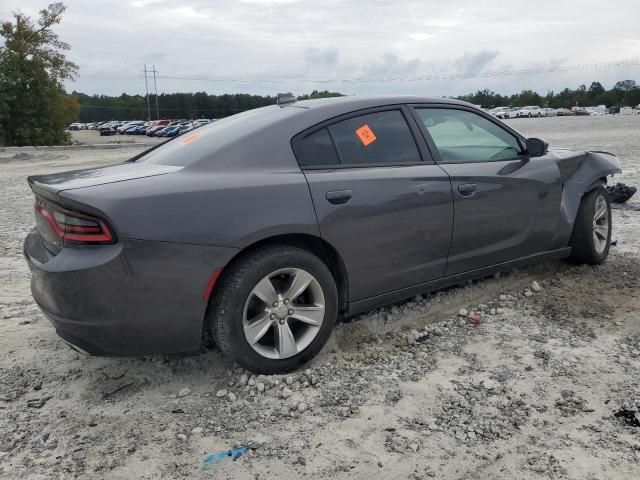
580	173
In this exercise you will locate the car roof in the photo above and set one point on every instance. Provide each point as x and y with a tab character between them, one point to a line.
305	113
242	139
355	103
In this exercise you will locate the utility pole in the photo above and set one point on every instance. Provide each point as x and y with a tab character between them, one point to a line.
146	85
155	87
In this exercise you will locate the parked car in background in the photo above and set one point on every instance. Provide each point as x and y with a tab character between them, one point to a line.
514	112
532	111
563	112
127	125
262	228
152	130
107	131
501	112
171	131
159	132
549	112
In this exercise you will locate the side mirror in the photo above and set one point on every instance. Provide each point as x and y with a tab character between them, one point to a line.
536	147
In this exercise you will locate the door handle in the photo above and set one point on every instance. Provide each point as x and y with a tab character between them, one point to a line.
467	189
339	197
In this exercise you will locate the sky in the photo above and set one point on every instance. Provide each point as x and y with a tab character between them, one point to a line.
269	46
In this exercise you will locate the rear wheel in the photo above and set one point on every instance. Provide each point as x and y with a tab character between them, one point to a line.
591	237
275	309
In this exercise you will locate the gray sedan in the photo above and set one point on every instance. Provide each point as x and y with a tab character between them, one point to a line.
260	229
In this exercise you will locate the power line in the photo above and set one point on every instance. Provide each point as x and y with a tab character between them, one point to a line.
438	76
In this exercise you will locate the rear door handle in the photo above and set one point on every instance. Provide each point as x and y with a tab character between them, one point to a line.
339	197
467	189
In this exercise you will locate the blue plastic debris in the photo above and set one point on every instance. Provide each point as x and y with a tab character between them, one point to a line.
212	458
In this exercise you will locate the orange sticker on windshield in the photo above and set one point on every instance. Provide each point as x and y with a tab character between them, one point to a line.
189	138
366	135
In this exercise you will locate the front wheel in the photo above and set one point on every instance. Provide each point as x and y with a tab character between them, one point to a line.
591	236
275	309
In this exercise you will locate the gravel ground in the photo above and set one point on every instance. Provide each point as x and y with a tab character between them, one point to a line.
544	386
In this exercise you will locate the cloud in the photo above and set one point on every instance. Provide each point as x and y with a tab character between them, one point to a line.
321	58
472	63
296	42
390	65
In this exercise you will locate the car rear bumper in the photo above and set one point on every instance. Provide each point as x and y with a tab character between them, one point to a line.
129	299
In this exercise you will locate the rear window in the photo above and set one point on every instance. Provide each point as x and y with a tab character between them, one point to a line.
318	149
202	142
381	138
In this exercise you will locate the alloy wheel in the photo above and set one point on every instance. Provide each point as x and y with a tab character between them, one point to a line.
283	313
600	224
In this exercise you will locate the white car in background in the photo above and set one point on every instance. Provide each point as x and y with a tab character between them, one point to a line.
549	112
529	112
500	112
513	113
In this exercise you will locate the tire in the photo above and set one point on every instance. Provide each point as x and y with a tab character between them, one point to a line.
588	244
236	309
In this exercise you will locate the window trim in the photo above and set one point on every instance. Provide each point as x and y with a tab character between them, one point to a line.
435	153
414	129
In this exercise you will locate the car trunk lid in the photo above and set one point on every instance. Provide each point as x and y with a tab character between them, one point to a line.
55	183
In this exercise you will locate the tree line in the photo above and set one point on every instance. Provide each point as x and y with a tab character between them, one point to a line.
202	105
624	93
97	108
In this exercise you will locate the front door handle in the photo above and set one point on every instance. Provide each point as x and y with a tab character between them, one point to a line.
339	197
467	189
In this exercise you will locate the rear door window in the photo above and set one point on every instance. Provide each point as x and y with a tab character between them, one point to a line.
380	138
318	149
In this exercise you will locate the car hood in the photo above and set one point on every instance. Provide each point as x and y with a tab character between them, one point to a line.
57	182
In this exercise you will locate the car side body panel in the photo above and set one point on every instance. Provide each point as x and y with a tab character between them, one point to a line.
395	229
513	213
231	210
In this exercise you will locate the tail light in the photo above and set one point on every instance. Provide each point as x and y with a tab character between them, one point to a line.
74	227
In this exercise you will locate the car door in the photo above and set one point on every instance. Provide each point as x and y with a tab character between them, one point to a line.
387	211
507	205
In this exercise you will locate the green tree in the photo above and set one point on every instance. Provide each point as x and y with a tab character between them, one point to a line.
319	94
33	105
625	85
596	88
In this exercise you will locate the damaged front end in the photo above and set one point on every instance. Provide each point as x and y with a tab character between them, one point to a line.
581	172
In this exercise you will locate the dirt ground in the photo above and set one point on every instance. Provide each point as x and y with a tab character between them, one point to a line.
411	391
